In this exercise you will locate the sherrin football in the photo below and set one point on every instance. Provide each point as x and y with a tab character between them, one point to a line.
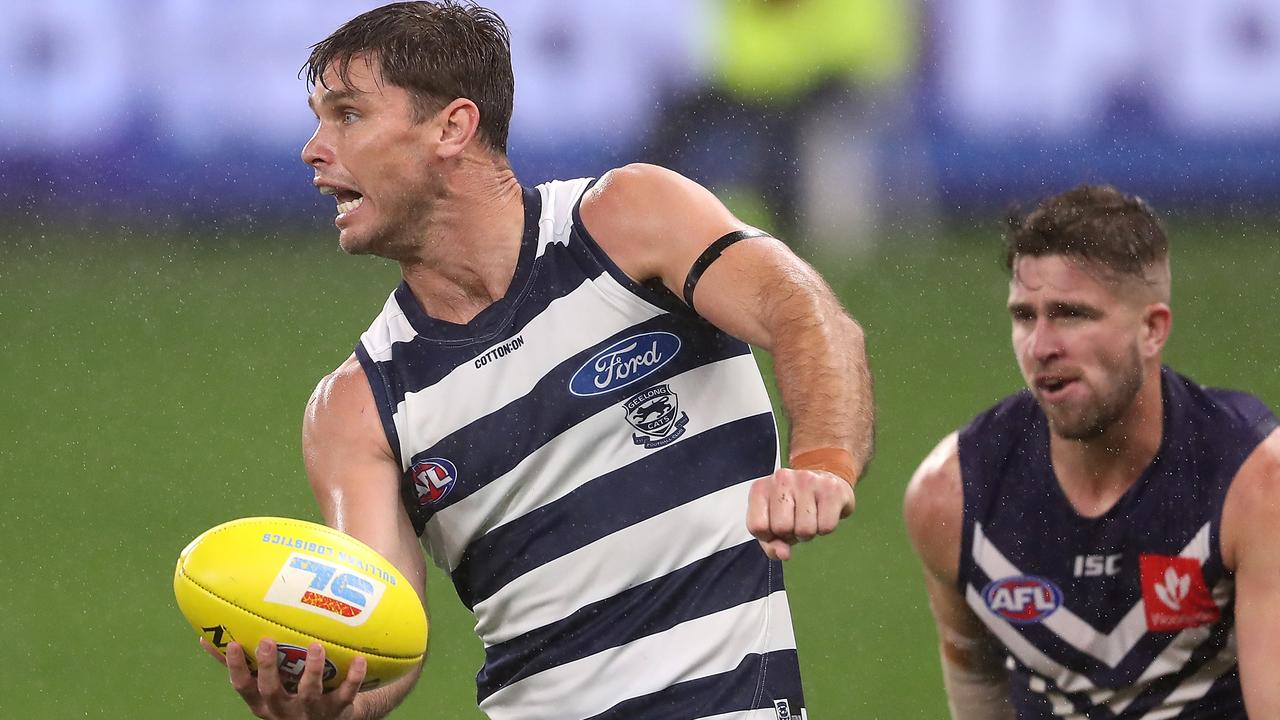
298	582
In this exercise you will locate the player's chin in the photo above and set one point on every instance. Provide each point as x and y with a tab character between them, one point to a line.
353	242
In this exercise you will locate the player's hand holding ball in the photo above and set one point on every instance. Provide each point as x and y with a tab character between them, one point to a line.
804	501
302	615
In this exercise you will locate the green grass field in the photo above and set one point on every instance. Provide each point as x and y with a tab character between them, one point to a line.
151	386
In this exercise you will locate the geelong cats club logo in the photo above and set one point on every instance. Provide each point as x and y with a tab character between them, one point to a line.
656	414
433	478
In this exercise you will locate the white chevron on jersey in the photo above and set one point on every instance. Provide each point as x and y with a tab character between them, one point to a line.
722	392
1108	648
1029	654
696	648
689	532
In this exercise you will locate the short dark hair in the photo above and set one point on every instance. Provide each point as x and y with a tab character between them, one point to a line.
438	51
1091	222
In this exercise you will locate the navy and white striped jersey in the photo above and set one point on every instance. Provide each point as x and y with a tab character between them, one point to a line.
1127	615
577	458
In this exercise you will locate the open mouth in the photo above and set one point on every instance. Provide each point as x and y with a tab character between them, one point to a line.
1053	386
347	206
348	200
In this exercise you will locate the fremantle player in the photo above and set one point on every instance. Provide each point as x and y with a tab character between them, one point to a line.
559	402
1103	544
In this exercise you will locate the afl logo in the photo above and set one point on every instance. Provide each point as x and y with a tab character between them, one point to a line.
1022	599
624	362
433	478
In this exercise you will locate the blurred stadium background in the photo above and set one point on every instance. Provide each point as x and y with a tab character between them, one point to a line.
170	288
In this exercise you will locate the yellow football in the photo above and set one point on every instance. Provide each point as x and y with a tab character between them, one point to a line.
297	583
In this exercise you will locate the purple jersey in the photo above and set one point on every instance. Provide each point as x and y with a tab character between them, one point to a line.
1126	615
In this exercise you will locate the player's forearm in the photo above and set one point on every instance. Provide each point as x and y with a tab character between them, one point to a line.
974	694
821	366
379	702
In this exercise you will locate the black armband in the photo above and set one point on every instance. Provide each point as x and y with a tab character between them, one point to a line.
710	255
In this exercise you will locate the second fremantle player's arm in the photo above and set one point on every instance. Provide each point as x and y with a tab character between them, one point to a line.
972	669
1251	550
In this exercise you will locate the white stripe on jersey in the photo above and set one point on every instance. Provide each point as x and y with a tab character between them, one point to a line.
722	392
761	714
697	648
424	417
1109	648
556	219
1195	687
388	328
556	589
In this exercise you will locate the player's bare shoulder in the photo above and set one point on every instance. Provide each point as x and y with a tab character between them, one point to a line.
623	199
653	221
934	508
1251	507
341	416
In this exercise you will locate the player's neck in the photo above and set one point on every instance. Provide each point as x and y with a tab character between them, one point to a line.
1095	473
468	257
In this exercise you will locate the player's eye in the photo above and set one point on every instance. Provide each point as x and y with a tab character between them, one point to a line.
349	116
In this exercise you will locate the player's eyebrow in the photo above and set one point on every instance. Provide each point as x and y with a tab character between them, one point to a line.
1071	308
1021	309
332	97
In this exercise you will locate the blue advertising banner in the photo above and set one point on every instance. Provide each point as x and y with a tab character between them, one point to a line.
195	109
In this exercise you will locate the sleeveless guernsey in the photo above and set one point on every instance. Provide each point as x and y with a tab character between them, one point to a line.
577	459
1128	615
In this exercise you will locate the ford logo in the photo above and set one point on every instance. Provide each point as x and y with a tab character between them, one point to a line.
624	362
1022	599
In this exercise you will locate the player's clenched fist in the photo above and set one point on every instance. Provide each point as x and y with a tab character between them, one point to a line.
794	505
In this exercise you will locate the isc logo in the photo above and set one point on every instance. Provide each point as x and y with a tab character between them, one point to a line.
1022	599
318	586
1097	565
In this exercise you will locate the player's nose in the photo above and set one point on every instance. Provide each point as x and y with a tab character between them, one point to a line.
1045	342
317	151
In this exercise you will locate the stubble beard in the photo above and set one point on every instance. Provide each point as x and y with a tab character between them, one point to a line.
397	239
1094	420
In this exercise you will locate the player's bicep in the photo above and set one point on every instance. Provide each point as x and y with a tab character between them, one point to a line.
1251	548
933	509
758	289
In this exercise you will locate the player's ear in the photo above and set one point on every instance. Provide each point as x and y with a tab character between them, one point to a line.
459	121
1157	321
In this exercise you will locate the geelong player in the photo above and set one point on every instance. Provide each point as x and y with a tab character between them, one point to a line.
1103	544
559	403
